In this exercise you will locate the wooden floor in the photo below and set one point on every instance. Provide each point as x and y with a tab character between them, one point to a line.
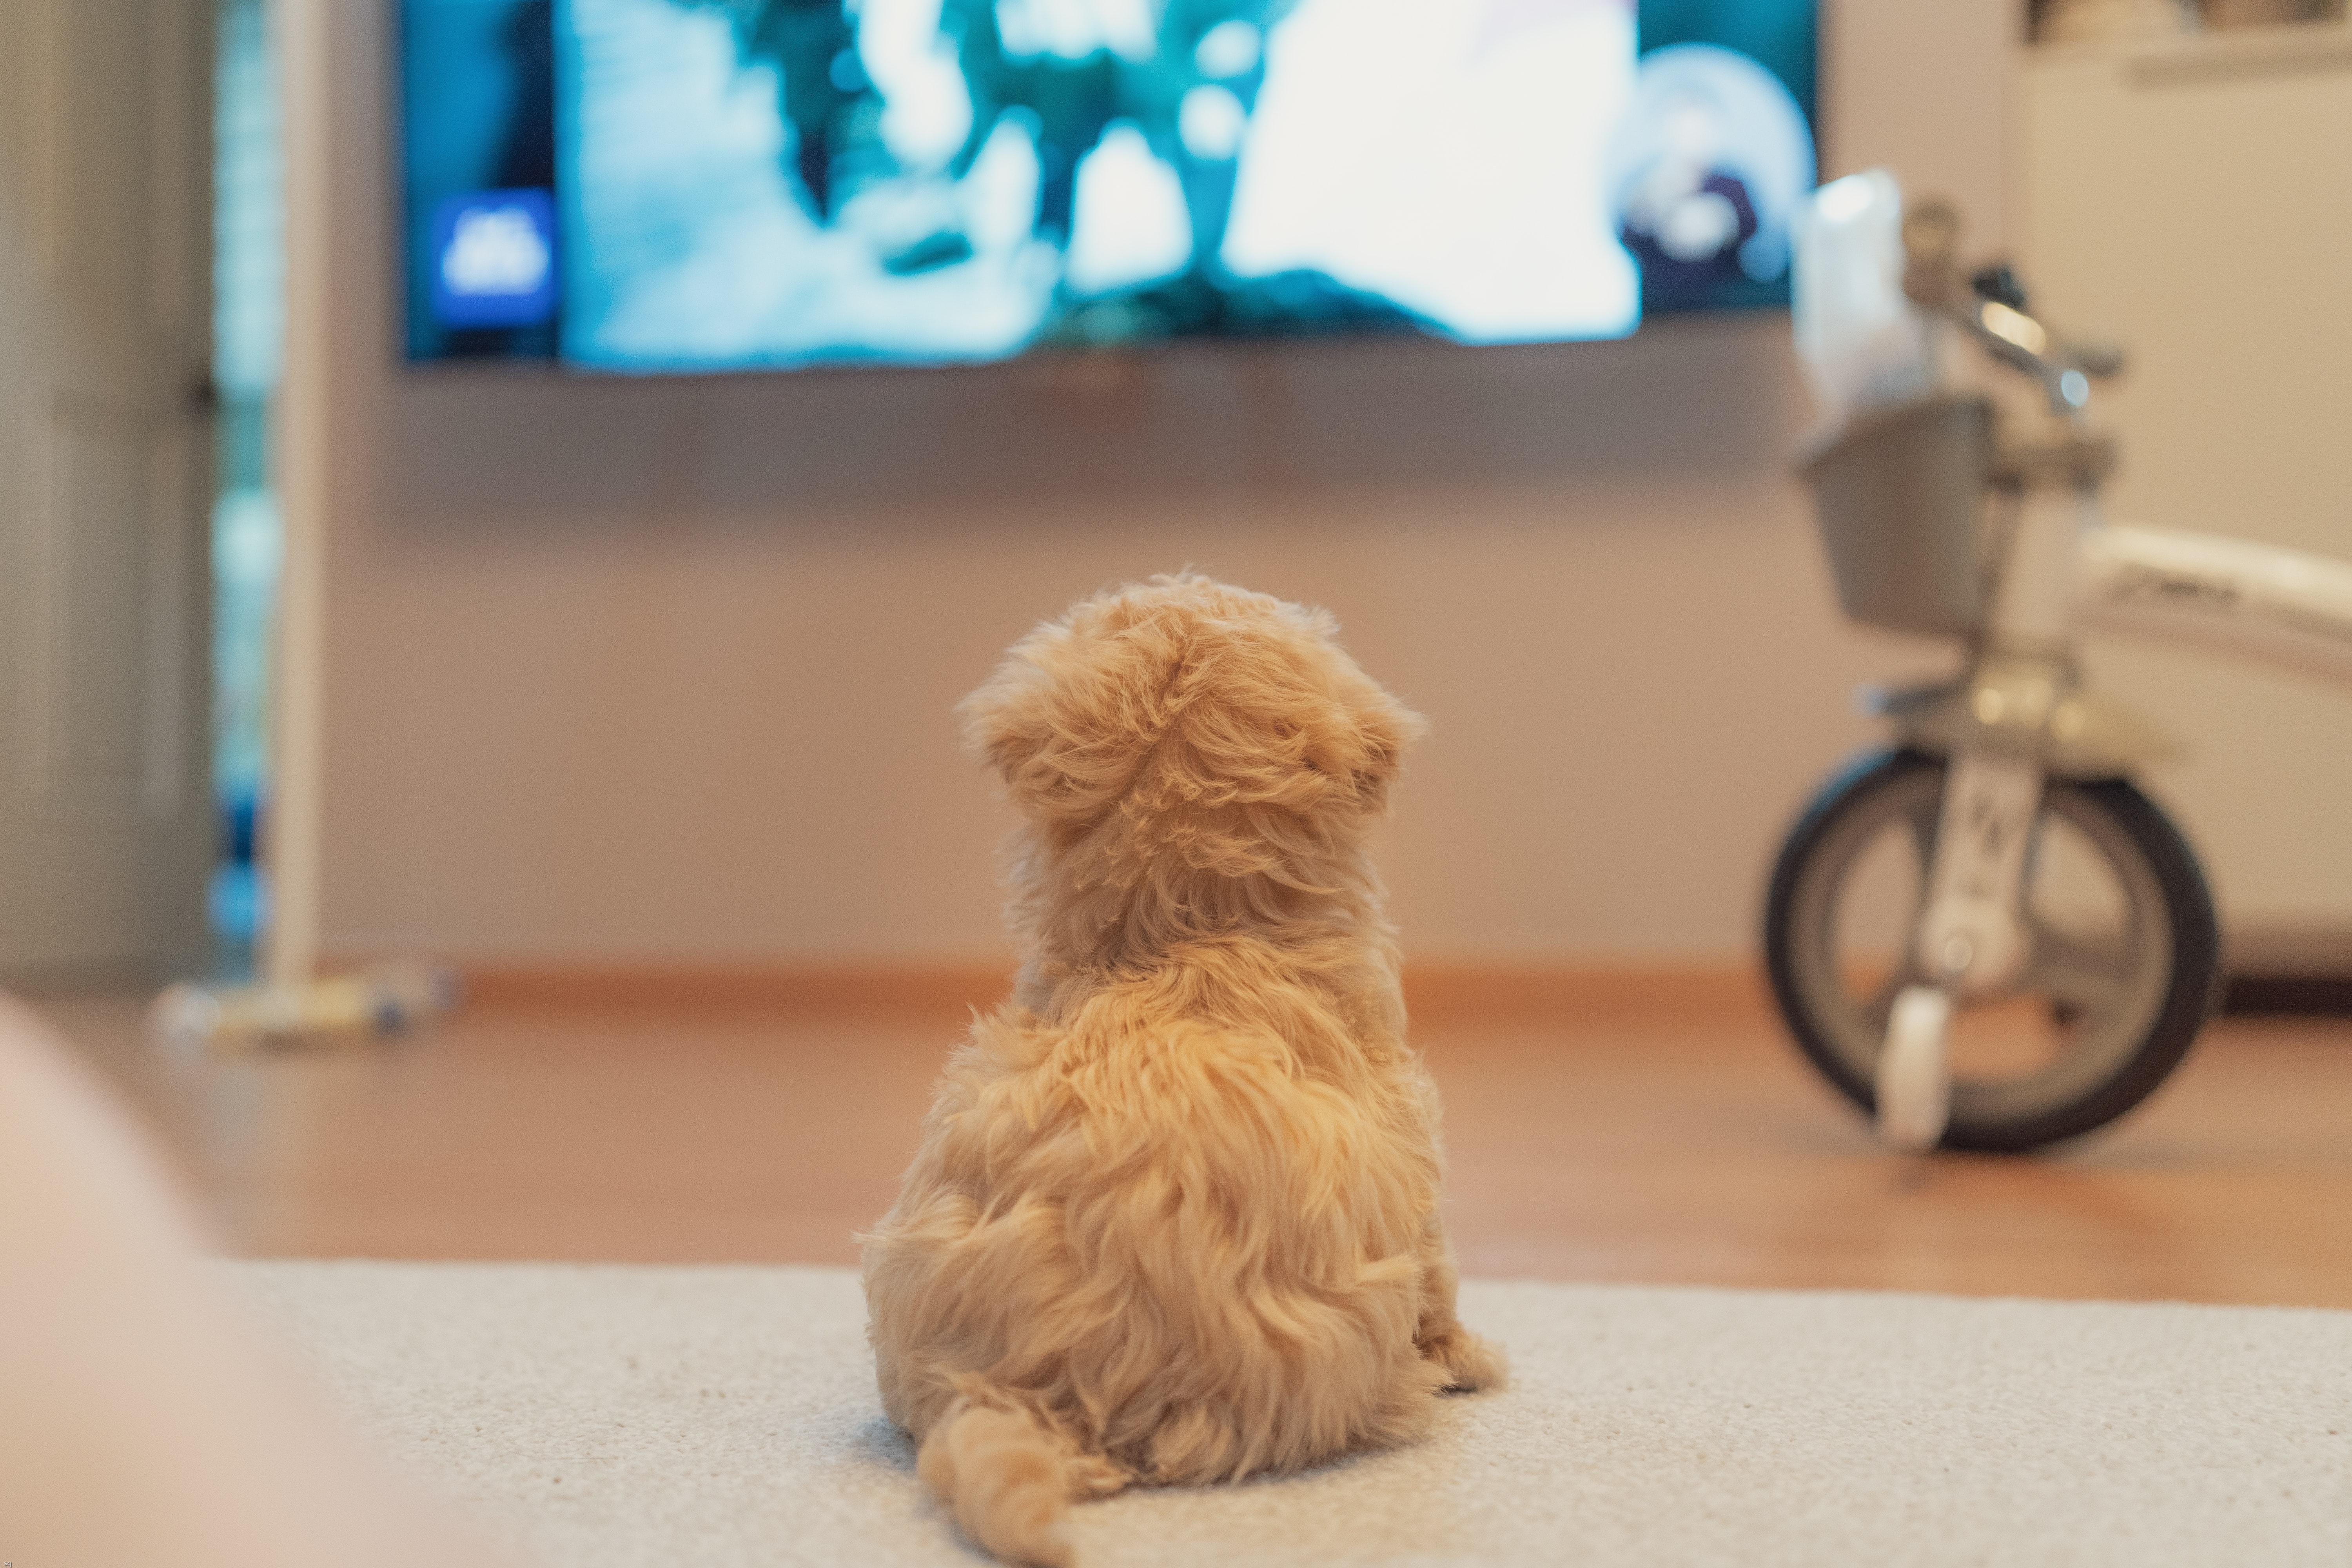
1621	1147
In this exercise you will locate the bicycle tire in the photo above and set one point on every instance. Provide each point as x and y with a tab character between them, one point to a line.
2150	858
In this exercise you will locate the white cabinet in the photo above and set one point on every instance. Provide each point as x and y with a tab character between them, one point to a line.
2193	201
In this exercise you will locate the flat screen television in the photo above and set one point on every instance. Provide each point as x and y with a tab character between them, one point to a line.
679	185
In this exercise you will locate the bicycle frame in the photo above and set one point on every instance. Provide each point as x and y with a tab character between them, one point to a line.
2283	606
2063	571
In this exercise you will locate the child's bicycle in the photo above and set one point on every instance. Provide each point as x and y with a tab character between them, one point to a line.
1987	936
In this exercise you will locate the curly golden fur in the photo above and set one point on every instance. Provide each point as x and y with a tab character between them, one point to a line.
1175	1214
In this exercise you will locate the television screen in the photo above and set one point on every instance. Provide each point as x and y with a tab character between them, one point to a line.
647	185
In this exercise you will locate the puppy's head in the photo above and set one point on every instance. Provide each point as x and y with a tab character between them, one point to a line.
1186	718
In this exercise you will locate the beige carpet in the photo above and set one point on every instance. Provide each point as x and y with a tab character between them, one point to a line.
626	1417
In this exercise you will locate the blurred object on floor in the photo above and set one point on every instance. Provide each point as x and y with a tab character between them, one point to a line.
386	999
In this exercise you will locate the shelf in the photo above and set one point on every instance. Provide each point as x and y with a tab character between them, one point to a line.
2294	48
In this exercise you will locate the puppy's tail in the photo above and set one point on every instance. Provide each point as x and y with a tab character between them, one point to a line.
1009	1478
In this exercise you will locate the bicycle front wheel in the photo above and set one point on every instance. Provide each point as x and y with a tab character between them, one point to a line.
2125	955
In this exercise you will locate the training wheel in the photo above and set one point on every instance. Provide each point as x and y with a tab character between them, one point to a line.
1914	1080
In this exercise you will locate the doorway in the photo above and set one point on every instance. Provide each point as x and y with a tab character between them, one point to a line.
106	480
247	534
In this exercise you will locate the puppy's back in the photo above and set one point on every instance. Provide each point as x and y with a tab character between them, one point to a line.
1193	1240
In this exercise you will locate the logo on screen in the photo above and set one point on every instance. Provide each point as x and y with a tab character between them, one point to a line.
494	259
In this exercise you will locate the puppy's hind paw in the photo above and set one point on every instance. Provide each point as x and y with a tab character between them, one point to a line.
1472	1363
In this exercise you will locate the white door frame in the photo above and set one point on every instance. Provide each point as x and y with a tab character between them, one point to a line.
305	52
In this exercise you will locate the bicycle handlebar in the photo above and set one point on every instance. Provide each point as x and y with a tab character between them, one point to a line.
1990	307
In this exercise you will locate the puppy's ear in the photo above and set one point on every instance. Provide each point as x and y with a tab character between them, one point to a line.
1271	711
1385	728
1002	721
1065	719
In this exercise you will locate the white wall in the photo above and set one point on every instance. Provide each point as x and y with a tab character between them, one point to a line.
663	670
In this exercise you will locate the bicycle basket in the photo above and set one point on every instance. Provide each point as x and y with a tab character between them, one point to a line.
1901	495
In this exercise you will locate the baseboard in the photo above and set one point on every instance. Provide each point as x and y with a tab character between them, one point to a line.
1686	990
2301	967
1436	990
2288	995
792	988
106	977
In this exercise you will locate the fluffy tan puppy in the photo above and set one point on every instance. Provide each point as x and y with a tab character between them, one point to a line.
1174	1219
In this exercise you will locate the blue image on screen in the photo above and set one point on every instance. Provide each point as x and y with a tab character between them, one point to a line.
771	182
1715	153
478	100
494	259
652	186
